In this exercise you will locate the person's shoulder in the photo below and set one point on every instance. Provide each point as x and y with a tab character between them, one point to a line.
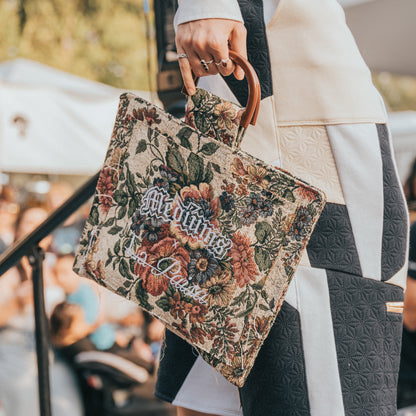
82	345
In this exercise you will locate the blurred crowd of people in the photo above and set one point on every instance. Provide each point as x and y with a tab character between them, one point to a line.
82	315
407	374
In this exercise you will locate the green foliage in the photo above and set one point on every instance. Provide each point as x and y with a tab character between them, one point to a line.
124	270
121	197
175	160
164	303
399	92
141	146
209	175
263	231
103	40
94	216
196	168
262	258
143	297
184	134
209	149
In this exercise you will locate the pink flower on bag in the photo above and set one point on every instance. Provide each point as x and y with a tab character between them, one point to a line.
252	174
178	307
181	329
189	119
105	187
224	333
197	313
151	116
242	259
138	114
306	193
237	168
161	256
94	269
197	335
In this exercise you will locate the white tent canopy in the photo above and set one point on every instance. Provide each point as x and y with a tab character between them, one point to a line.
385	32
52	121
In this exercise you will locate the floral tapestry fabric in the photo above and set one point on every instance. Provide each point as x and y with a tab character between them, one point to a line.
200	234
213	116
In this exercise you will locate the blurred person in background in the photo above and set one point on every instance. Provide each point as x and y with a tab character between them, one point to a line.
155	332
86	295
130	321
406	392
18	375
410	192
16	284
9	211
65	237
112	320
72	334
78	290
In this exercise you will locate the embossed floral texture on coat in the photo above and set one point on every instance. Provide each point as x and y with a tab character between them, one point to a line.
202	236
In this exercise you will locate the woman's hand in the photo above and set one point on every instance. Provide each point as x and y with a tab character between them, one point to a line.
209	40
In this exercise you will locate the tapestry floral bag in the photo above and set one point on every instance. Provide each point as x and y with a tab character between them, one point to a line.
197	232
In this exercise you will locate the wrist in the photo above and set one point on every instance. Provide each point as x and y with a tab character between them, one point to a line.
190	10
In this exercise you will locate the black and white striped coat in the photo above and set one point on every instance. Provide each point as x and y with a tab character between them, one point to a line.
335	346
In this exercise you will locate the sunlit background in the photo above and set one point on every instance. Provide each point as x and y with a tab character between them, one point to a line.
102	40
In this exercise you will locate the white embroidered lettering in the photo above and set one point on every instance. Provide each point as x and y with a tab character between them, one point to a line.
165	265
157	203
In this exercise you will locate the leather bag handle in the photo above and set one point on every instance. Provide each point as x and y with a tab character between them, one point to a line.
254	91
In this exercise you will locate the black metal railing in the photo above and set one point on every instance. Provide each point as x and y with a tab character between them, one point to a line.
29	246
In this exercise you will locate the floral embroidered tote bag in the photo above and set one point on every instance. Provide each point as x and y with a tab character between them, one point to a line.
199	233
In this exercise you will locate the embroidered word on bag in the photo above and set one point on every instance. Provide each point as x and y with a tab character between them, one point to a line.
163	267
190	217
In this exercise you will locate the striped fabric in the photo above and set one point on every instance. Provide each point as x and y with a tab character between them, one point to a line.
335	346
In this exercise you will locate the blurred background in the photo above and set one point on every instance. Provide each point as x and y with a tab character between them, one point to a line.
63	65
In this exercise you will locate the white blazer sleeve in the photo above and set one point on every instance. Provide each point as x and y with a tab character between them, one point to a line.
189	10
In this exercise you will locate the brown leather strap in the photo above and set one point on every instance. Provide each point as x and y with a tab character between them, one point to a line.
254	92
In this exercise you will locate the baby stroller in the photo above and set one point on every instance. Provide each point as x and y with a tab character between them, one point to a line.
114	386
